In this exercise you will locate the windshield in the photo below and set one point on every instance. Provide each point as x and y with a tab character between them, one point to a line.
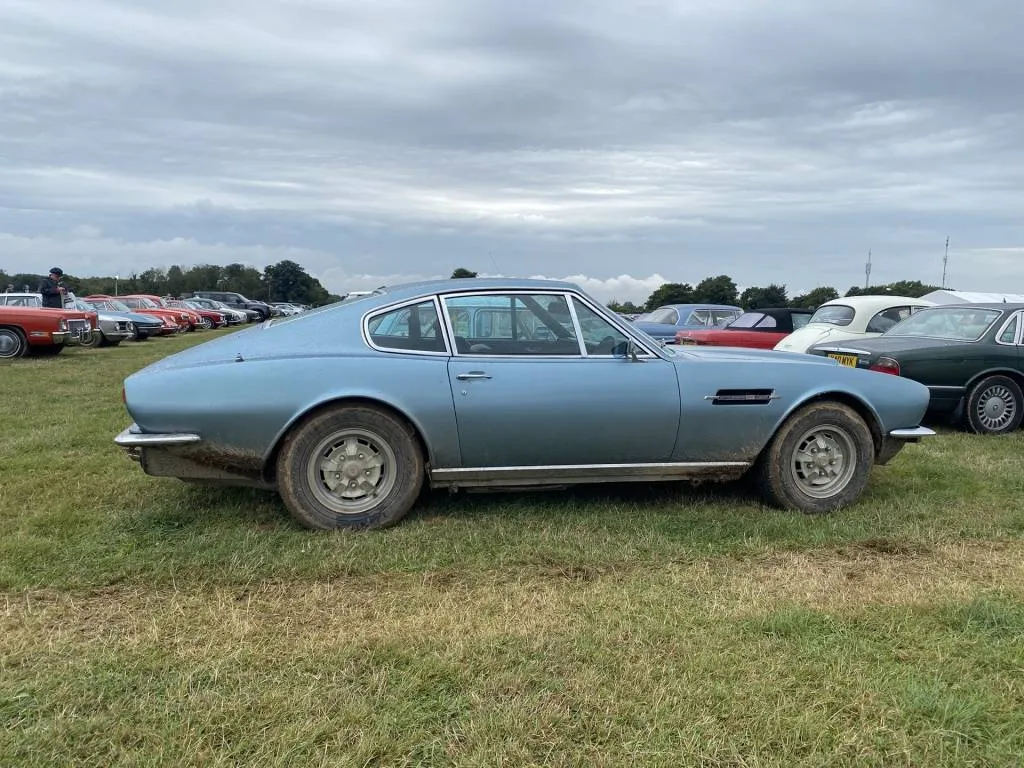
953	323
747	320
833	314
139	302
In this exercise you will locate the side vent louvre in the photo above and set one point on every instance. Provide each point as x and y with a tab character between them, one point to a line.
743	397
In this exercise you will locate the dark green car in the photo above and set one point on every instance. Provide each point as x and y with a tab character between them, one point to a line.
970	357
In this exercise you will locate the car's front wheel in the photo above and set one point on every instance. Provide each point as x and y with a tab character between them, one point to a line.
819	460
994	406
12	343
351	467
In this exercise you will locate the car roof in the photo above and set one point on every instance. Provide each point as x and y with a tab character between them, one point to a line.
878	301
701	306
454	285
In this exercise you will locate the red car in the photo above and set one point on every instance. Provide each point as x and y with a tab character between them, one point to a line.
191	318
209	318
173	320
758	329
42	331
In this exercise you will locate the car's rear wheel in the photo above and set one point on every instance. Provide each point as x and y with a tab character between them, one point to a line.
206	324
995	406
819	460
351	467
12	343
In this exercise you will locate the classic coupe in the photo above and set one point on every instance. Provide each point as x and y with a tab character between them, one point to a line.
499	383
757	329
854	317
971	358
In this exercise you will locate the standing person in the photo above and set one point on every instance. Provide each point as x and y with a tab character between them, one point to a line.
53	292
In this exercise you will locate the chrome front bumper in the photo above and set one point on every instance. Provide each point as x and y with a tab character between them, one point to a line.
133	441
914	433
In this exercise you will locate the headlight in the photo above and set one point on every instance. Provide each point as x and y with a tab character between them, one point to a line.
184	316
63	326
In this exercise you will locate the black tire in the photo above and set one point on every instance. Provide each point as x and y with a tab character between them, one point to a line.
206	324
995	406
819	460
375	445
12	343
95	339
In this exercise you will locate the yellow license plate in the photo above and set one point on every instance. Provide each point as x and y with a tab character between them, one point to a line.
850	360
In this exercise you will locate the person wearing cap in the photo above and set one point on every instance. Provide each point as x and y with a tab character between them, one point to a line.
53	292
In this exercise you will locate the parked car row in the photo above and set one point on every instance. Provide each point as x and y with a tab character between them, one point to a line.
26	327
970	356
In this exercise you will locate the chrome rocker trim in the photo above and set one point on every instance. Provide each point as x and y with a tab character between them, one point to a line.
570	474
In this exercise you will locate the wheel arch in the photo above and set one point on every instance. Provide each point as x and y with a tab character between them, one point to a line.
1010	373
860	406
270	463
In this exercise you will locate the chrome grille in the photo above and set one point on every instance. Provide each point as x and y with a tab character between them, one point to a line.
79	329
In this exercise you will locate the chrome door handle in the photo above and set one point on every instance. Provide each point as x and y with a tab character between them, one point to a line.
473	375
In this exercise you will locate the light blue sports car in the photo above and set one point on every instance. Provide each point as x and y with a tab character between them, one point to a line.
483	383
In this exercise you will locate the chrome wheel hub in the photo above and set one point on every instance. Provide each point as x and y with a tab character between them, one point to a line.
824	461
996	407
351	471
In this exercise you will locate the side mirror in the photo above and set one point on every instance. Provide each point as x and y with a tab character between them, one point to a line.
628	349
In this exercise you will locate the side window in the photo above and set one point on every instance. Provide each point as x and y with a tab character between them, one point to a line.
600	336
722	318
409	329
512	324
799	321
1009	333
698	317
768	322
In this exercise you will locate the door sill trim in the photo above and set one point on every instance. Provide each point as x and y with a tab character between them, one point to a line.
571	474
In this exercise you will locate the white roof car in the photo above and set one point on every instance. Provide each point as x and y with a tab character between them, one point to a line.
853	317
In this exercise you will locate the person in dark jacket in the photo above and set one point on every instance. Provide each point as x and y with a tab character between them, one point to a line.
53	292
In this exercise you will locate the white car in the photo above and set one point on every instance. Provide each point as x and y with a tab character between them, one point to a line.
854	317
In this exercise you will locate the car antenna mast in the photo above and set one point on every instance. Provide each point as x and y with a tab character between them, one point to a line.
945	263
867	271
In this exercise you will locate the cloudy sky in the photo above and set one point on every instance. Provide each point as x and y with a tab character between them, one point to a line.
622	145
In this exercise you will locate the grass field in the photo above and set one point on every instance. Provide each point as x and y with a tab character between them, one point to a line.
149	622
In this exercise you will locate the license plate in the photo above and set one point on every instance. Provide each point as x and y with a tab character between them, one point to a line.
850	360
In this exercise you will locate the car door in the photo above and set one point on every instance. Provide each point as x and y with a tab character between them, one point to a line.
542	379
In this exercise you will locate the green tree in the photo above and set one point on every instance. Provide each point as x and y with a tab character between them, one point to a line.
288	281
912	288
757	297
461	272
626	307
152	280
670	293
242	279
175	280
815	298
716	290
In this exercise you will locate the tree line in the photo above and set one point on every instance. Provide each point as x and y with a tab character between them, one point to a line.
288	281
722	289
284	281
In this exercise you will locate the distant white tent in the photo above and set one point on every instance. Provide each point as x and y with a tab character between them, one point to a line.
972	297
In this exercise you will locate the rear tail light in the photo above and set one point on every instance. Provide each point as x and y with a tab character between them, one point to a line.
886	365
